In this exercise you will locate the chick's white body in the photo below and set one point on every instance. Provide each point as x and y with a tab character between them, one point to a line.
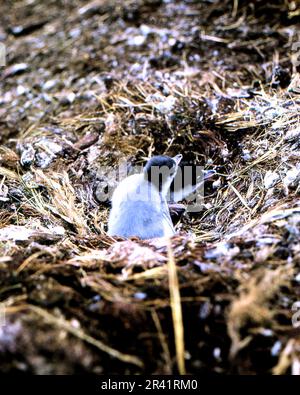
139	209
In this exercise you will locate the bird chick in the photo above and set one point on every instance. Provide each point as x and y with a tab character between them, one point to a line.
139	203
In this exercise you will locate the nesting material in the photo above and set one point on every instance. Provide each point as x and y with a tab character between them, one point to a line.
122	81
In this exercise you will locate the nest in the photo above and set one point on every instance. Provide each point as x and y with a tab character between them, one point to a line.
216	81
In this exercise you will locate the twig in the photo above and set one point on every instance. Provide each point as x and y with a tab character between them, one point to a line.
60	322
176	310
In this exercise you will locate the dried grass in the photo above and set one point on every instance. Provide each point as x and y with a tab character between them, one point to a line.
225	95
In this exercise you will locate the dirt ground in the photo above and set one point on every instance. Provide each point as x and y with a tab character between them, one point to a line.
88	84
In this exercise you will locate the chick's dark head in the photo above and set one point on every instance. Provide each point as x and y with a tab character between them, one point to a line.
160	170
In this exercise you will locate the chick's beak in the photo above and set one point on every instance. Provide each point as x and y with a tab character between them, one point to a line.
208	174
177	158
